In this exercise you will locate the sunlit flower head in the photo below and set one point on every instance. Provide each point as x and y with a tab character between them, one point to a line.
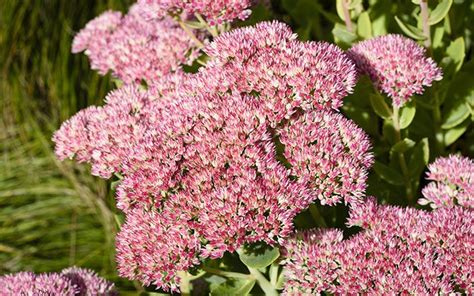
453	183
397	65
135	49
268	62
328	153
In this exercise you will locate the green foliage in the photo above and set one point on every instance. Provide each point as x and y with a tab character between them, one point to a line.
259	255
440	12
223	286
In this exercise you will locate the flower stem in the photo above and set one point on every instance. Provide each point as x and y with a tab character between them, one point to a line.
266	286
211	30
227	274
274	268
347	15
190	33
401	156
425	23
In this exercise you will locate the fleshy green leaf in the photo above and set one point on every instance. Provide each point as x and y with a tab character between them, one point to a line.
118	83
379	25
388	174
364	26
258	255
232	287
456	115
340	9
407	113
389	132
380	106
438	36
354	3
114	184
419	158
456	51
410	30
440	12
342	35
453	134
404	145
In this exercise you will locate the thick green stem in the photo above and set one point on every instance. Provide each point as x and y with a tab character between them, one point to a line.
227	274
347	15
425	23
210	29
401	156
190	33
266	286
274	269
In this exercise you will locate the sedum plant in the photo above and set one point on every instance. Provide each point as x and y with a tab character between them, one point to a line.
224	142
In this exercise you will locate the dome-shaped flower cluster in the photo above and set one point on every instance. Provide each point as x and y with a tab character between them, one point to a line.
71	281
453	183
227	156
397	65
399	251
268	62
214	11
94	39
328	154
133	48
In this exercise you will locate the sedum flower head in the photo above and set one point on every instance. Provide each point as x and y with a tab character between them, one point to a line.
398	66
133	48
94	39
214	11
71	281
399	251
453	183
266	61
105	135
329	154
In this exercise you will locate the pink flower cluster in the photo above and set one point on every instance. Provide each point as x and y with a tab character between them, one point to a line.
399	251
133	48
328	154
152	247
397	65
219	158
71	281
267	61
453	183
214	11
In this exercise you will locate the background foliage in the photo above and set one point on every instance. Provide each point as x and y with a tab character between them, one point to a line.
54	214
